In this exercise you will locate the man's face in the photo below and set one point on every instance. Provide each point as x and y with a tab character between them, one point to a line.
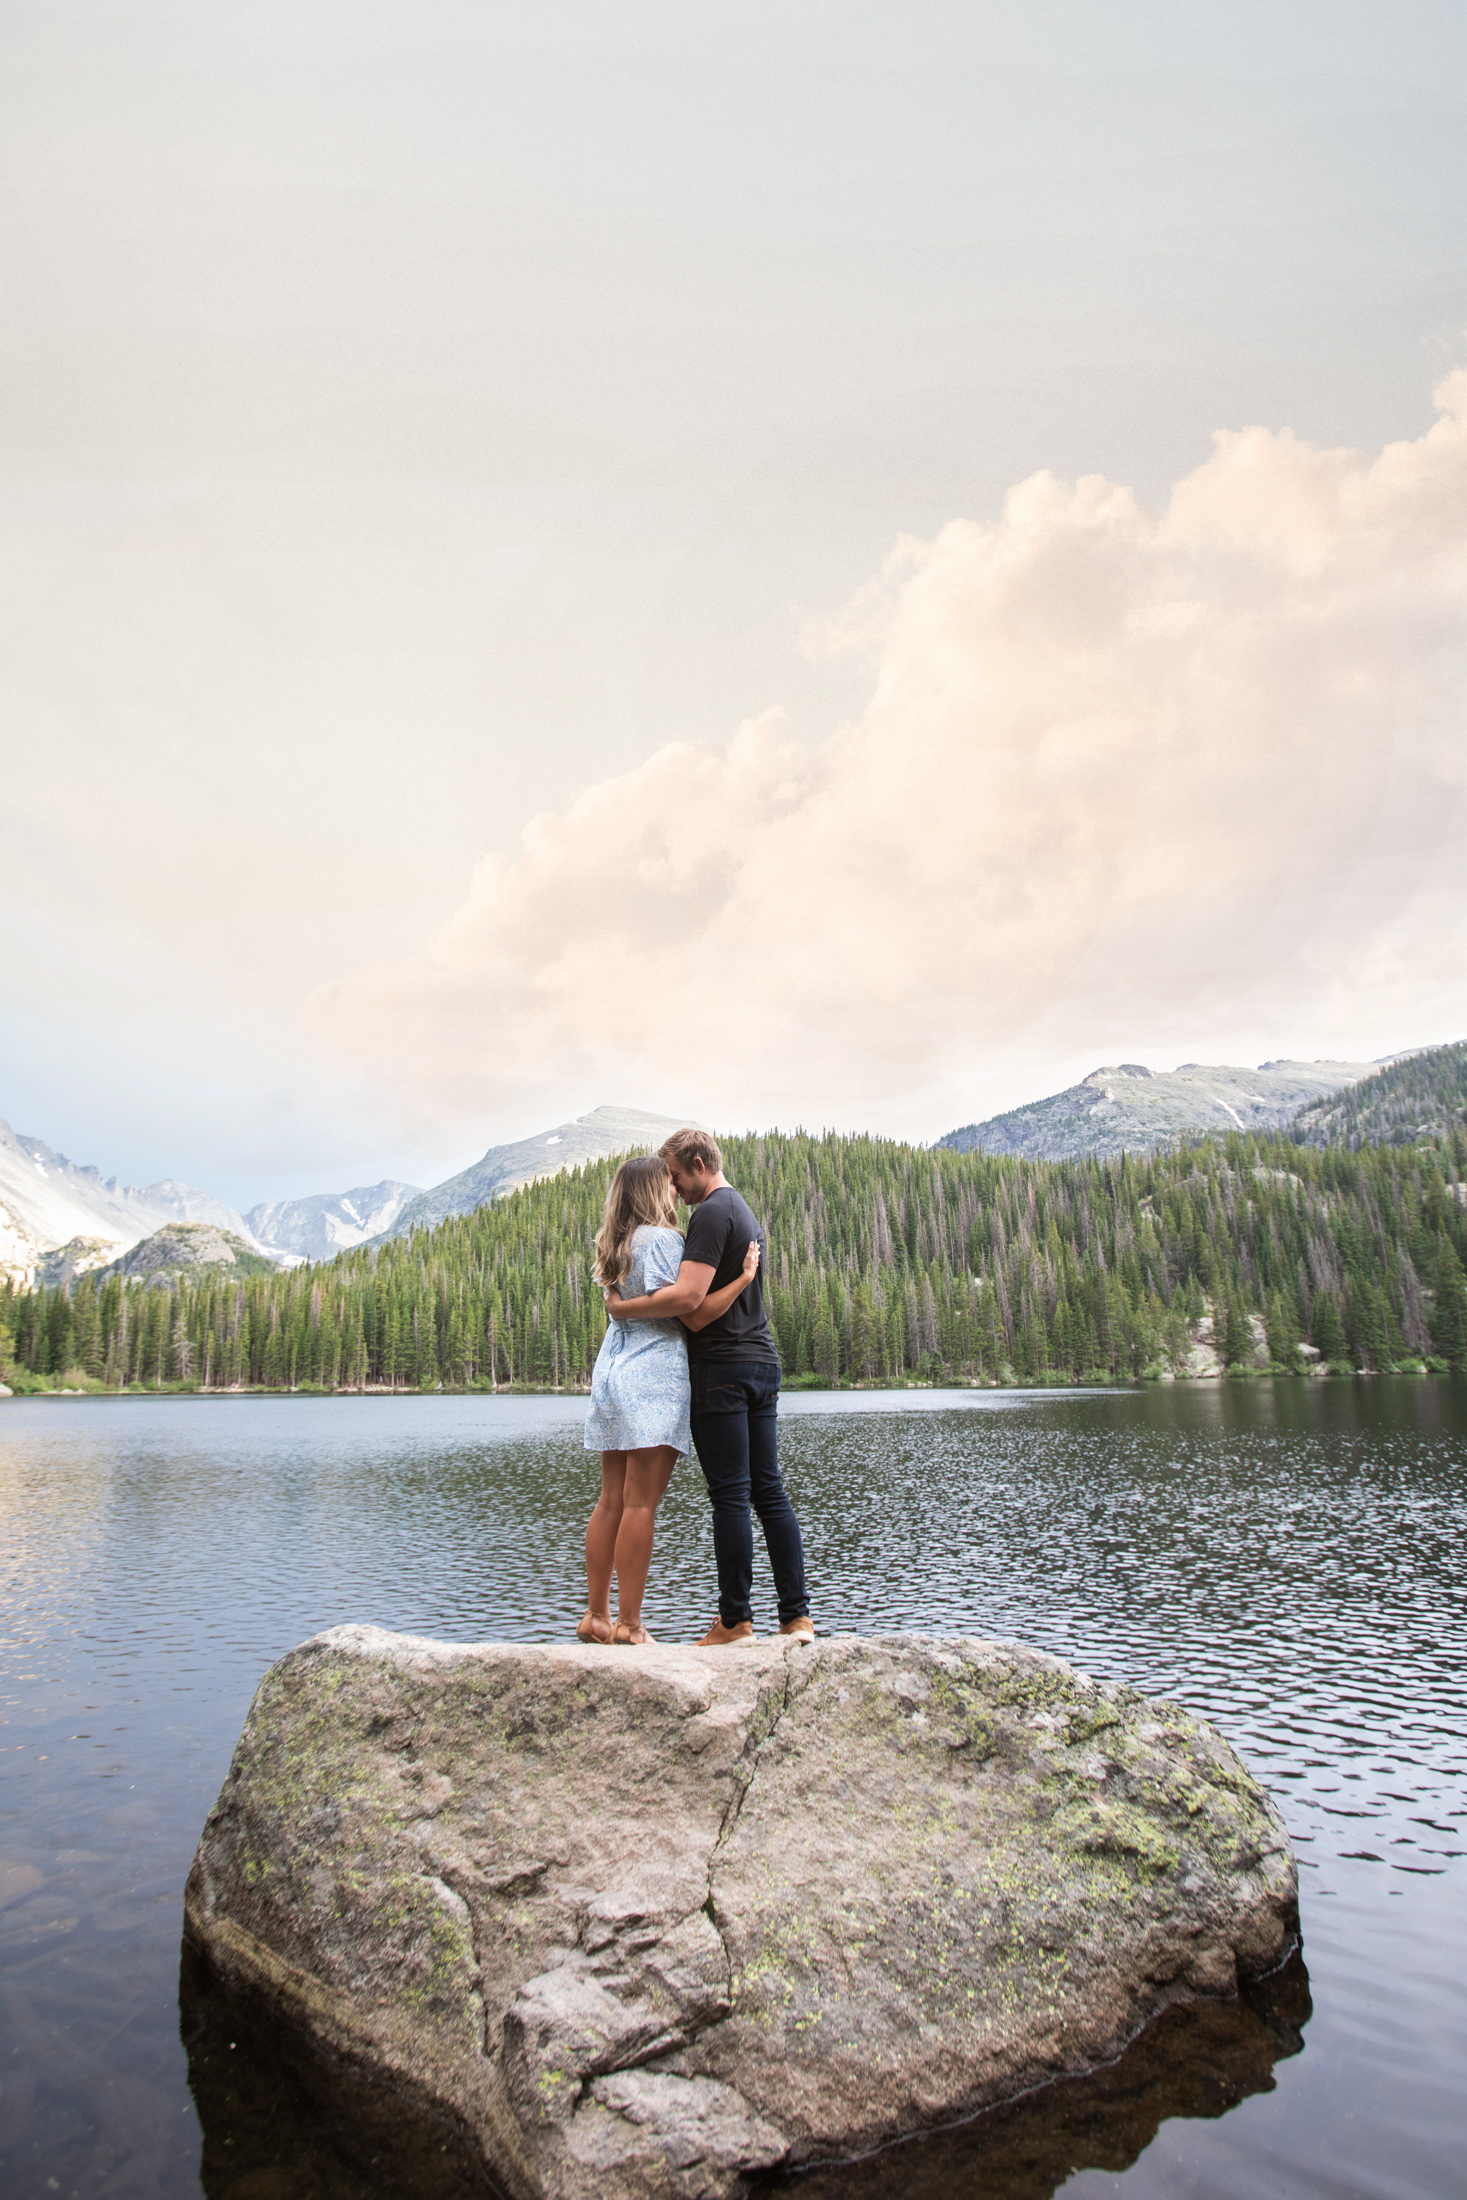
690	1181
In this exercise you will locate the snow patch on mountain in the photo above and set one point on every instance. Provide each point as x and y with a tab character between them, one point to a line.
48	1201
327	1223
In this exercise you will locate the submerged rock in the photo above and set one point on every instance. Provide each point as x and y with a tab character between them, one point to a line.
644	1923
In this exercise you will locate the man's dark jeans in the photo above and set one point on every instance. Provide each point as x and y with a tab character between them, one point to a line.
734	1429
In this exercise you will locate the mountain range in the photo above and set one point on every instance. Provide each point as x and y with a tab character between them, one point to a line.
320	1228
592	1137
326	1224
48	1203
1131	1109
1417	1096
58	1220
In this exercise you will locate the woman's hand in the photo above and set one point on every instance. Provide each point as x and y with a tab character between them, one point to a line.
751	1260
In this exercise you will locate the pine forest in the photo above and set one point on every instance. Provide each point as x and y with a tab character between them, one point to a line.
888	1263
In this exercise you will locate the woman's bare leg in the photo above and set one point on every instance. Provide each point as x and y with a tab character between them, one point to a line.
647	1476
601	1533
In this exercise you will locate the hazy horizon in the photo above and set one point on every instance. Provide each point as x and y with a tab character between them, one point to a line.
344	1180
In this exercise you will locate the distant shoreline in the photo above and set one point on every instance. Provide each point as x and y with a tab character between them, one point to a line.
797	1388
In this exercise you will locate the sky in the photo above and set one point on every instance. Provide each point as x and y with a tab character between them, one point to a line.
787	563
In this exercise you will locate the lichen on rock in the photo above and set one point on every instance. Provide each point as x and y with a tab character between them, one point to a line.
647	1922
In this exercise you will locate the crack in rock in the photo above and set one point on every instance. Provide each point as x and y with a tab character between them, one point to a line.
778	1695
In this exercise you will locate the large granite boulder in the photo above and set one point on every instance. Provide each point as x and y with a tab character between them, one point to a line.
642	1923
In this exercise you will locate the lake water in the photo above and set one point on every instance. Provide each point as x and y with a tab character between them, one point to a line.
1288	1559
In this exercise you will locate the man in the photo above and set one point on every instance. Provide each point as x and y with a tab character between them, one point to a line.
734	1369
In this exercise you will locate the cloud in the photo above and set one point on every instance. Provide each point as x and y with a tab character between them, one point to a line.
1122	771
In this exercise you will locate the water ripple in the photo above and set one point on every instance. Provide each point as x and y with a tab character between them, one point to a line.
1287	1560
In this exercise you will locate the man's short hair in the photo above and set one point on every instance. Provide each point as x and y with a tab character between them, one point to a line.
693	1149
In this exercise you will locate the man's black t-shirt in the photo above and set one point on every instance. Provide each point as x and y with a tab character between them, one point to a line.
718	1236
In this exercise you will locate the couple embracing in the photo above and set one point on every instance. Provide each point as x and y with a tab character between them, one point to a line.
687	1360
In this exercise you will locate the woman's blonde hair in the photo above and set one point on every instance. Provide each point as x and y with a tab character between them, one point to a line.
641	1192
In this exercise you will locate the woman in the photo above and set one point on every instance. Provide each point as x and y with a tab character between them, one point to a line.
639	1393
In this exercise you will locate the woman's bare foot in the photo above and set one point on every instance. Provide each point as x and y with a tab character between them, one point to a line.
635	1635
595	1629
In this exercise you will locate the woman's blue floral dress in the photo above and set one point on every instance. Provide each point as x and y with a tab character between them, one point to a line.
639	1386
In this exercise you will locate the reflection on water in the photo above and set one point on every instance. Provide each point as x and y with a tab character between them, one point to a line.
1198	2061
282	2121
1287	1559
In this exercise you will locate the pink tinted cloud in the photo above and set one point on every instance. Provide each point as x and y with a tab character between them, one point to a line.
1208	756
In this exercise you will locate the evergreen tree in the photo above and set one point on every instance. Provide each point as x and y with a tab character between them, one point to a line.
825	1348
1449	1315
863	1332
1237	1335
1368	1324
1282	1330
883	1259
1329	1329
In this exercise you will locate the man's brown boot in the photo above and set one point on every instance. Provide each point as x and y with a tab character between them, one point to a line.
742	1631
799	1630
